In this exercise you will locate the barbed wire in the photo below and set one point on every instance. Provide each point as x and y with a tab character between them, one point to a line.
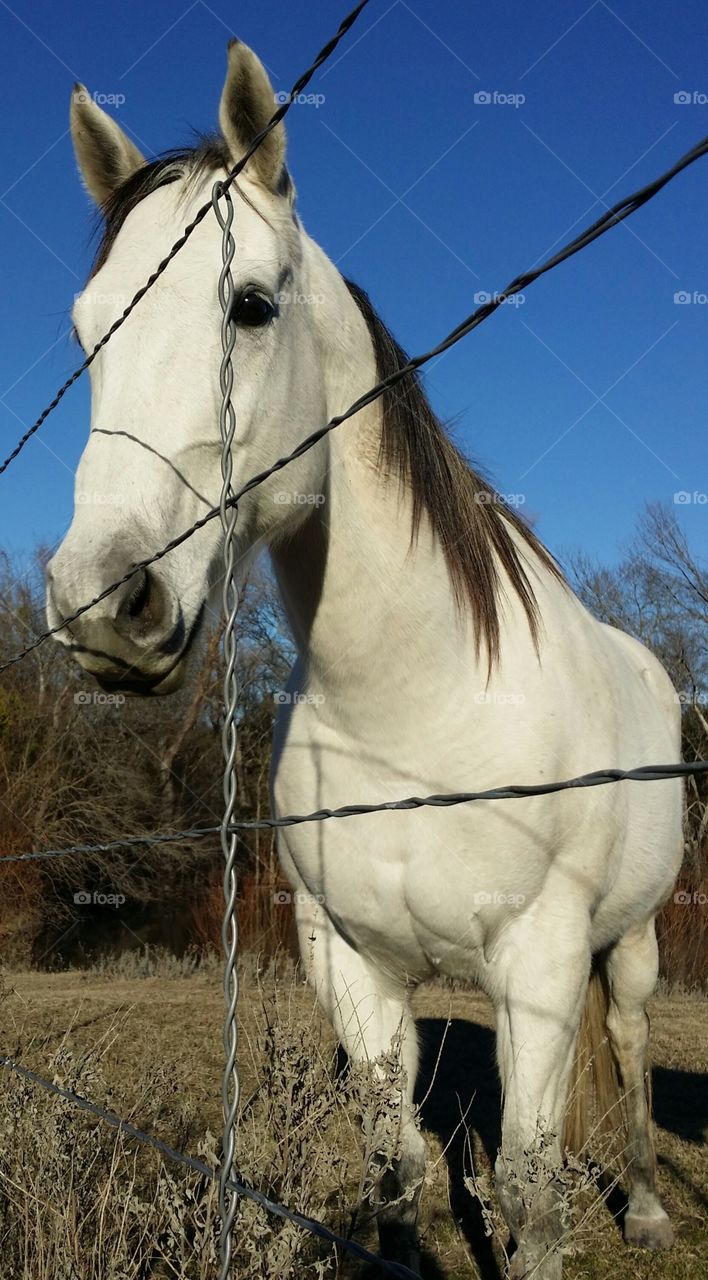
600	777
325	53
198	1166
611	218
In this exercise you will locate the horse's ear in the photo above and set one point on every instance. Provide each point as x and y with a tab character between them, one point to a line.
105	154
247	104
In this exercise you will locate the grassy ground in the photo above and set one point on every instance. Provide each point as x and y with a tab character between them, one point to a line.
150	1047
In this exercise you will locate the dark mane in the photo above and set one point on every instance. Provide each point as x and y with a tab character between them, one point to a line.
468	517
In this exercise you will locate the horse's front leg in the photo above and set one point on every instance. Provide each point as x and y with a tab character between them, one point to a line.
543	974
372	1020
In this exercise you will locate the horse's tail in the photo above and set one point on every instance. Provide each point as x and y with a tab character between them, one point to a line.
595	1124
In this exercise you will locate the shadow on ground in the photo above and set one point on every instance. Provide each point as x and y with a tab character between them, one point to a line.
459	1093
681	1107
681	1103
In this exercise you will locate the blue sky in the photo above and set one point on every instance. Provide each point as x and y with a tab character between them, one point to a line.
589	398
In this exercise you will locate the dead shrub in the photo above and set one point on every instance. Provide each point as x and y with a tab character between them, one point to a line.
79	1201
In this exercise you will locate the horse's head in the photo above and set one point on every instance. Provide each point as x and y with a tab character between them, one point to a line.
151	465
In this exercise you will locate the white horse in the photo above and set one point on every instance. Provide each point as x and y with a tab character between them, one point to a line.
439	649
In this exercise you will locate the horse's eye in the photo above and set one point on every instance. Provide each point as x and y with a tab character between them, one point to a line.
253	310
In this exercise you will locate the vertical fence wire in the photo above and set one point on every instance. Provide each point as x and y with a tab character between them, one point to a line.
228	514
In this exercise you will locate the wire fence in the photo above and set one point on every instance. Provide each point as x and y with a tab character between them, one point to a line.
599	778
221	203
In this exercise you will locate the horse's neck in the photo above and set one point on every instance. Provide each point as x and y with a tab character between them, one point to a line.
366	605
355	589
346	576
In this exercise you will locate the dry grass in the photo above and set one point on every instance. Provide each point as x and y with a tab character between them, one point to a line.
78	1203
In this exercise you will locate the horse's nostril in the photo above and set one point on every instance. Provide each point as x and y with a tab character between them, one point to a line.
145	606
139	599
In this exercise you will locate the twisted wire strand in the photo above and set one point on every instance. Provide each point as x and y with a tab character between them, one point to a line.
198	1166
201	214
600	777
611	218
228	512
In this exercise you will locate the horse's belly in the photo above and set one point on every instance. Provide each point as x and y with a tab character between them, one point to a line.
428	890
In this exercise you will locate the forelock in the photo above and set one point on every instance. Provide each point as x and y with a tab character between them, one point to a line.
209	156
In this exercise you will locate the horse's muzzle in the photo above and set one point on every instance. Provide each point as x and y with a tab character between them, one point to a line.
136	641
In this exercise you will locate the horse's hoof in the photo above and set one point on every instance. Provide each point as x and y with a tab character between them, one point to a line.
648	1233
